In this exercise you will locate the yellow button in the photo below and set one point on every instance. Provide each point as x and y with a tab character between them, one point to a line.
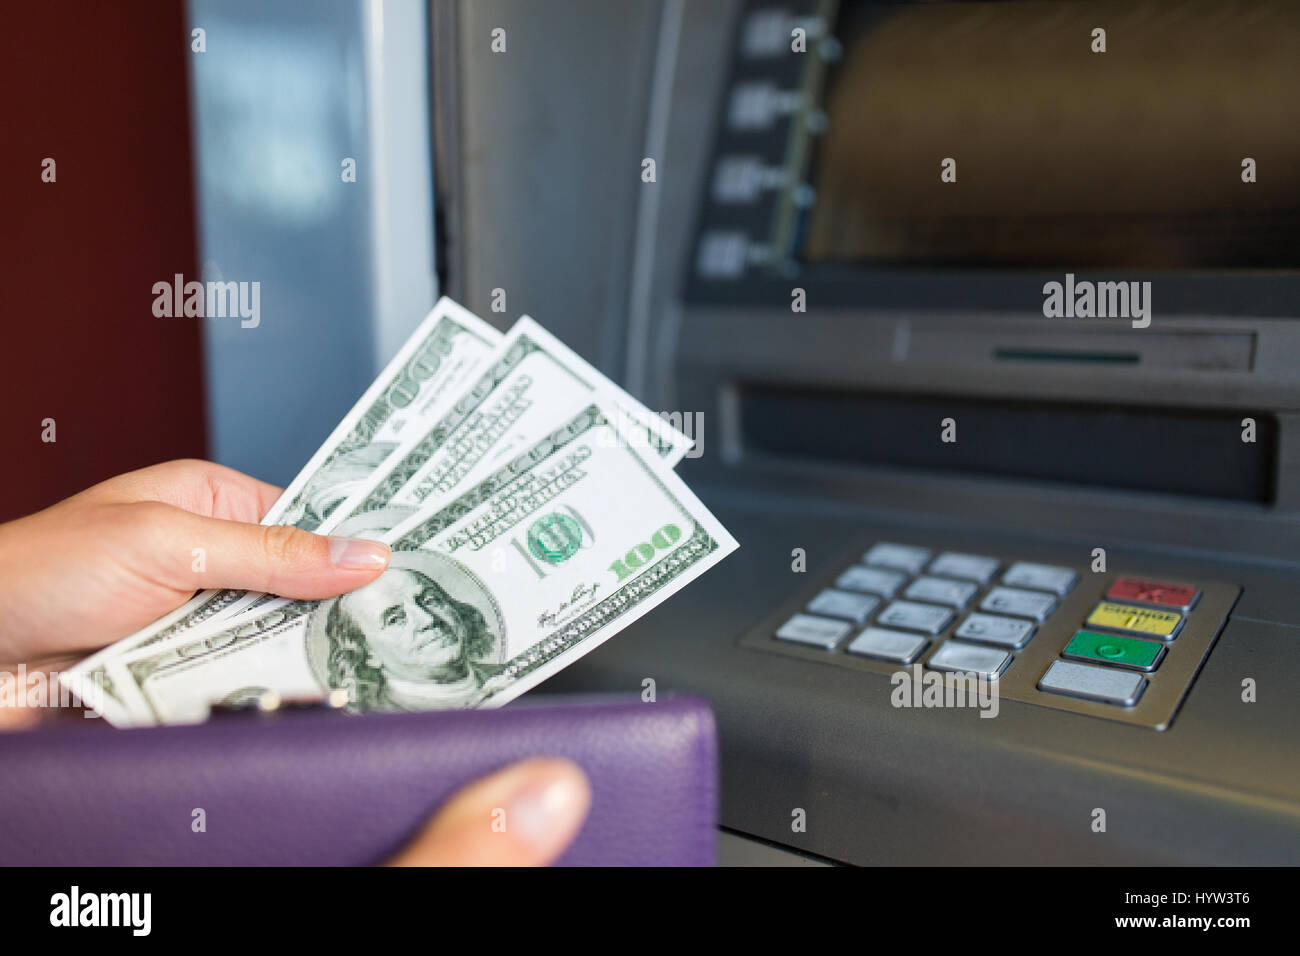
1134	619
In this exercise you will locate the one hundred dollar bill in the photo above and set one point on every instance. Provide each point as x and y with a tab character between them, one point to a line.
533	567
428	373
530	376
416	388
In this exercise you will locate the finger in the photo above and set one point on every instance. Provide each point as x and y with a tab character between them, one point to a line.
524	815
13	714
237	496
188	551
211	490
18	718
17	712
202	487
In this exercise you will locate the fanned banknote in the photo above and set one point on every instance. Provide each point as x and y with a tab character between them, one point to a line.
509	406
534	566
456	402
427	374
529	376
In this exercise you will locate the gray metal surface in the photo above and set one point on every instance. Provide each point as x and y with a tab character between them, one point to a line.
884	785
551	138
735	849
548	156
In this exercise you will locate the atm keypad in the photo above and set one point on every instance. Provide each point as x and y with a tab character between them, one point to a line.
1106	645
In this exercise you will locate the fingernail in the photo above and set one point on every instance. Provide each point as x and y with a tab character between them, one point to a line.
546	811
356	554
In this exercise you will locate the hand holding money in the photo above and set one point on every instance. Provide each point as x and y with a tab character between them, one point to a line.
533	513
108	561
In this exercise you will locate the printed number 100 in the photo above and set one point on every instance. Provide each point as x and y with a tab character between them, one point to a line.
643	553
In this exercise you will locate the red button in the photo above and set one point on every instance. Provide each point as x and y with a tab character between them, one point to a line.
1158	593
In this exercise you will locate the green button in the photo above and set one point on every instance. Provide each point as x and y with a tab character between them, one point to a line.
1111	649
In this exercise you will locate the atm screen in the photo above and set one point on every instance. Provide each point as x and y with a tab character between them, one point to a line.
1018	135
1131	157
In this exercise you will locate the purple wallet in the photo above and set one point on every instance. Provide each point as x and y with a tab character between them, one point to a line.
329	789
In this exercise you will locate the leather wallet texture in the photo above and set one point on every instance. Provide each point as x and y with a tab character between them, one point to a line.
329	789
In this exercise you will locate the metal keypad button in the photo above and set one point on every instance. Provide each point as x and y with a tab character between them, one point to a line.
888	645
902	557
959	656
942	591
910	616
1174	597
852	607
968	567
1040	577
990	629
1032	604
814	631
871	580
1093	648
1093	683
1134	619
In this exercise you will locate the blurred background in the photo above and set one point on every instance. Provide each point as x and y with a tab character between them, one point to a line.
209	139
219	156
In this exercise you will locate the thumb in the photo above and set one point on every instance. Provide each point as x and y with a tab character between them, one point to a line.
524	815
199	552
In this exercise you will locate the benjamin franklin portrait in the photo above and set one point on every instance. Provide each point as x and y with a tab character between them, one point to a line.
426	635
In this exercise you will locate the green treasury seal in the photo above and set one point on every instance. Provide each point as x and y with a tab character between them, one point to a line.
554	538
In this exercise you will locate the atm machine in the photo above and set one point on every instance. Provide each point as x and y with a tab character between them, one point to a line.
987	320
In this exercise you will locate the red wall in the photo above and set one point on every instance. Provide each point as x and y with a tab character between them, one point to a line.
102	89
